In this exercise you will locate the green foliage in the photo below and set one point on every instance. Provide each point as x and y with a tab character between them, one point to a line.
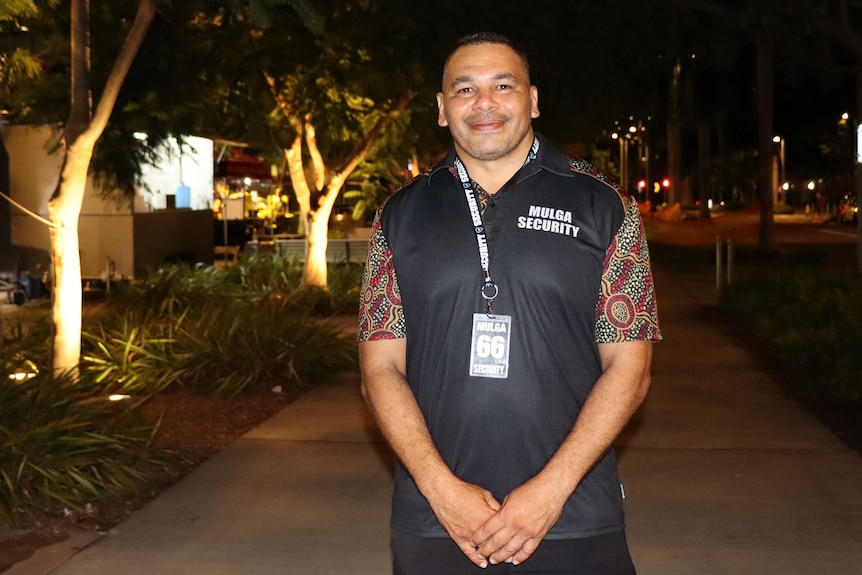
64	445
813	322
10	9
224	331
246	346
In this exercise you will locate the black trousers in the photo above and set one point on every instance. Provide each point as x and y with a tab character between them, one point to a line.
600	555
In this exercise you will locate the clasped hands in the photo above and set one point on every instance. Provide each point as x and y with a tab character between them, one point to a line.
489	532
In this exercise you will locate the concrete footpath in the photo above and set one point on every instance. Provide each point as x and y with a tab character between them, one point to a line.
724	475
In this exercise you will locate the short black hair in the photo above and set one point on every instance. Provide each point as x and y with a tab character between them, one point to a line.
489	38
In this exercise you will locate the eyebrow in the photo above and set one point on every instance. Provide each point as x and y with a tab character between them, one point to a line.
467	79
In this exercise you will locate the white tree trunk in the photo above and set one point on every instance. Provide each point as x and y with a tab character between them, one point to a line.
318	240
82	132
64	210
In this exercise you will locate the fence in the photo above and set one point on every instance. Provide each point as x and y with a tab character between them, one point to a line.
337	251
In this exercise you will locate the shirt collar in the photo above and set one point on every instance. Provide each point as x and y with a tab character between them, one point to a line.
548	158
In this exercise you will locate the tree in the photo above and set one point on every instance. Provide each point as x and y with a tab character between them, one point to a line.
316	194
332	95
841	22
81	132
82	129
85	126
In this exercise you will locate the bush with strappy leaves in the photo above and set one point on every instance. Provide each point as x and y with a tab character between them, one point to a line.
212	331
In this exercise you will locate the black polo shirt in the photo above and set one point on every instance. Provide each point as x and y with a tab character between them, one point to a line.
568	254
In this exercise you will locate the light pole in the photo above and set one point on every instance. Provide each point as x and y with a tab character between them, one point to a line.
780	141
623	158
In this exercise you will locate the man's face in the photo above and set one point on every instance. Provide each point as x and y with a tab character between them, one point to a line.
487	101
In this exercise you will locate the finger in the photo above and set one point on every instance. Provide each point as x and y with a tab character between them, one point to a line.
486	531
526	551
508	550
473	554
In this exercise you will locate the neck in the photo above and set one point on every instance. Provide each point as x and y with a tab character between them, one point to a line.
493	174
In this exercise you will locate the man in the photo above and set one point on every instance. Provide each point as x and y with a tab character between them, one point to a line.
506	326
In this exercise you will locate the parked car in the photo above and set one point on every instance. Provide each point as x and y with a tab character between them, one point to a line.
848	209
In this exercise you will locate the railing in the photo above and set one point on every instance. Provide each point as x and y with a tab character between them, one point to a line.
337	251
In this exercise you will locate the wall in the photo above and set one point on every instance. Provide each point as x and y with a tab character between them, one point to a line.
107	229
172	235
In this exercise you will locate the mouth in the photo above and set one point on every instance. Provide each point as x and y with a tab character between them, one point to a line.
486	123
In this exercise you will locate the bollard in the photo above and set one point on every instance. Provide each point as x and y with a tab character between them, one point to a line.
728	263
729	273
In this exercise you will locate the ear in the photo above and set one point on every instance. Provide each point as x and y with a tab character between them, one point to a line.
534	102
442	121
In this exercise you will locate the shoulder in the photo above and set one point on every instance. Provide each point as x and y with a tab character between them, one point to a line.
585	169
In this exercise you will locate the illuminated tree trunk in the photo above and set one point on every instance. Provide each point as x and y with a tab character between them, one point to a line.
64	210
82	131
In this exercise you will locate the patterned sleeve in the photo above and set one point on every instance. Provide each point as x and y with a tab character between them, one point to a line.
626	309
381	315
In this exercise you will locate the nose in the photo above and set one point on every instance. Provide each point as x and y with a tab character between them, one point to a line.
485	99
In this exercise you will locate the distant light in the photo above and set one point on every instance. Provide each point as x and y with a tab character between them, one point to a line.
22	375
118	397
785	186
776	139
845	116
633	129
140	136
666	182
247	181
615	136
811	185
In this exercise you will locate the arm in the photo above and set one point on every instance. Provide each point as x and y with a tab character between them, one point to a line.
459	506
529	512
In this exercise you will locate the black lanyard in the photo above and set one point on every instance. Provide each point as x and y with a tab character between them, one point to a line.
489	289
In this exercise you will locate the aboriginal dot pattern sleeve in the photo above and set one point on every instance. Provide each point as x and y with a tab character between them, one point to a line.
381	314
626	309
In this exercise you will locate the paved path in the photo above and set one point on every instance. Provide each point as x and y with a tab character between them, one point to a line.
724	473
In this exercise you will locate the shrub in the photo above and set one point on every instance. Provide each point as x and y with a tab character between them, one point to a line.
63	444
812	319
212	331
255	346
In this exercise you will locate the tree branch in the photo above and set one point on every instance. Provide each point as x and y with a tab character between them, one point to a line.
143	19
314	152
362	149
382	123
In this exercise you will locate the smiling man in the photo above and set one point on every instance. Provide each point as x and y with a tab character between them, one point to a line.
505	339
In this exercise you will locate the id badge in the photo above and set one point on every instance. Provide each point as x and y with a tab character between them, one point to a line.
489	348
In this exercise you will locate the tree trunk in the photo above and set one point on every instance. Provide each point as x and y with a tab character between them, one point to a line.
316	271
81	133
704	168
858	165
765	72
674	139
64	210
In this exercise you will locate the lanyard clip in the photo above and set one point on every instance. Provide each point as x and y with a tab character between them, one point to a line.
489	292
